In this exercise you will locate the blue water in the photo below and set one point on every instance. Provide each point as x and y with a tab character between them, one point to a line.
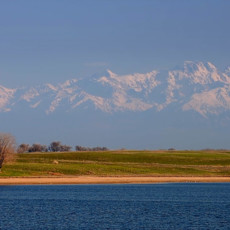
154	206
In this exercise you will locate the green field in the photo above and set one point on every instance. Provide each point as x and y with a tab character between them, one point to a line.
116	163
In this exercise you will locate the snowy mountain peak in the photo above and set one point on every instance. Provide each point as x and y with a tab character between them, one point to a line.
111	74
200	73
137	82
68	83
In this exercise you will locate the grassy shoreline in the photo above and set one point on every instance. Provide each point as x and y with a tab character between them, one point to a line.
120	163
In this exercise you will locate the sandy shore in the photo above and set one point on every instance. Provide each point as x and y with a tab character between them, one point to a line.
106	180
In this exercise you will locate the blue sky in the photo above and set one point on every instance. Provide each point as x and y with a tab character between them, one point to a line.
54	40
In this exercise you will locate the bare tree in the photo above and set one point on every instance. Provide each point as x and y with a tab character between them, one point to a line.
37	148
7	147
23	148
65	148
56	146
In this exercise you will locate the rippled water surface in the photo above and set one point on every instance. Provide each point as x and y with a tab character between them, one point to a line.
154	206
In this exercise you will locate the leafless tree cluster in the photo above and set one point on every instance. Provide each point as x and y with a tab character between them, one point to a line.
54	146
24	148
7	148
38	148
81	148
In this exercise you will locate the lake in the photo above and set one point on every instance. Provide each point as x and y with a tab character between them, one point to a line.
152	206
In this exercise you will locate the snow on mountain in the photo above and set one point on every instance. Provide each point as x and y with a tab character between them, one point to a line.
30	94
200	87
213	101
5	97
199	73
137	82
122	87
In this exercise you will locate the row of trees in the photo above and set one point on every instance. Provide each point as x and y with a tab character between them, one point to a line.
55	146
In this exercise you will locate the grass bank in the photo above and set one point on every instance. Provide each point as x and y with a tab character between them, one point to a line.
120	163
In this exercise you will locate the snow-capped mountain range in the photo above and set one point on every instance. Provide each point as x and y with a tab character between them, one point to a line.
198	86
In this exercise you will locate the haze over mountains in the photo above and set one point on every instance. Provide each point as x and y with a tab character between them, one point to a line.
198	93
